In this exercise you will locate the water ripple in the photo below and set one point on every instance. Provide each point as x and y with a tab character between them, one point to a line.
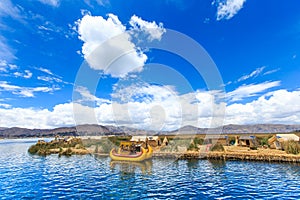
24	176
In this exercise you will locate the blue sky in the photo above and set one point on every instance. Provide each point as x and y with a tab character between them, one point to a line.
46	44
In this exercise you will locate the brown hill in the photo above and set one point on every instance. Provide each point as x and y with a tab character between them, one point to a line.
99	130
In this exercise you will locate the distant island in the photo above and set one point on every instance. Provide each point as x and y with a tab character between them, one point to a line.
100	130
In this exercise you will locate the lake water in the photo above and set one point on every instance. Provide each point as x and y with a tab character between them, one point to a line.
23	176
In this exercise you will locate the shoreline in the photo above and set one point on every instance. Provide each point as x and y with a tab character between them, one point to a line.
229	153
287	158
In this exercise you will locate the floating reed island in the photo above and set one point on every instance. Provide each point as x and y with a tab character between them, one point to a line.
242	153
62	146
256	147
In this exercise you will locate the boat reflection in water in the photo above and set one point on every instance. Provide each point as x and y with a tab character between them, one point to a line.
129	167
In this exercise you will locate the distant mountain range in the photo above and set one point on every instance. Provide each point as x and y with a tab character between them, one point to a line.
99	130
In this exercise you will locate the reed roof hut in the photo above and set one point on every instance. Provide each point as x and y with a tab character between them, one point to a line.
248	141
165	141
276	141
287	137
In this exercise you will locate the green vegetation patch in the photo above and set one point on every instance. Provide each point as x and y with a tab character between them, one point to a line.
292	147
43	148
217	147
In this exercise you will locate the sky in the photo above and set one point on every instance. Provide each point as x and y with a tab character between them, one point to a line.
156	65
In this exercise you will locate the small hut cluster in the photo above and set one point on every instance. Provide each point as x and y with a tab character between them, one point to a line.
153	141
243	140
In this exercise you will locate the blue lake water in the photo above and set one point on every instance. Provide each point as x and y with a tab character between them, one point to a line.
23	176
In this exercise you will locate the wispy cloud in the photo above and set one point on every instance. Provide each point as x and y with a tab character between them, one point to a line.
255	73
6	52
103	2
98	2
271	71
50	77
25	91
45	27
251	90
8	9
86	96
54	3
47	71
5	105
228	8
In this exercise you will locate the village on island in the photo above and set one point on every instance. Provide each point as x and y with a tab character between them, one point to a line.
283	147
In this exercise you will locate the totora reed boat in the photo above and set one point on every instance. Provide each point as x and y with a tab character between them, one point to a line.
129	151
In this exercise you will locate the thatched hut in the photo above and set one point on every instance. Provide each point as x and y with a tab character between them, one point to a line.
288	137
276	142
216	139
154	141
165	141
248	141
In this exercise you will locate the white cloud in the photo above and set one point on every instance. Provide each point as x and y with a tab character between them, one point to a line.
162	108
152	30
94	30
115	56
24	91
51	79
280	106
83	13
108	47
18	74
61	115
251	90
5	105
228	8
255	73
159	108
5	67
54	3
12	66
27	74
